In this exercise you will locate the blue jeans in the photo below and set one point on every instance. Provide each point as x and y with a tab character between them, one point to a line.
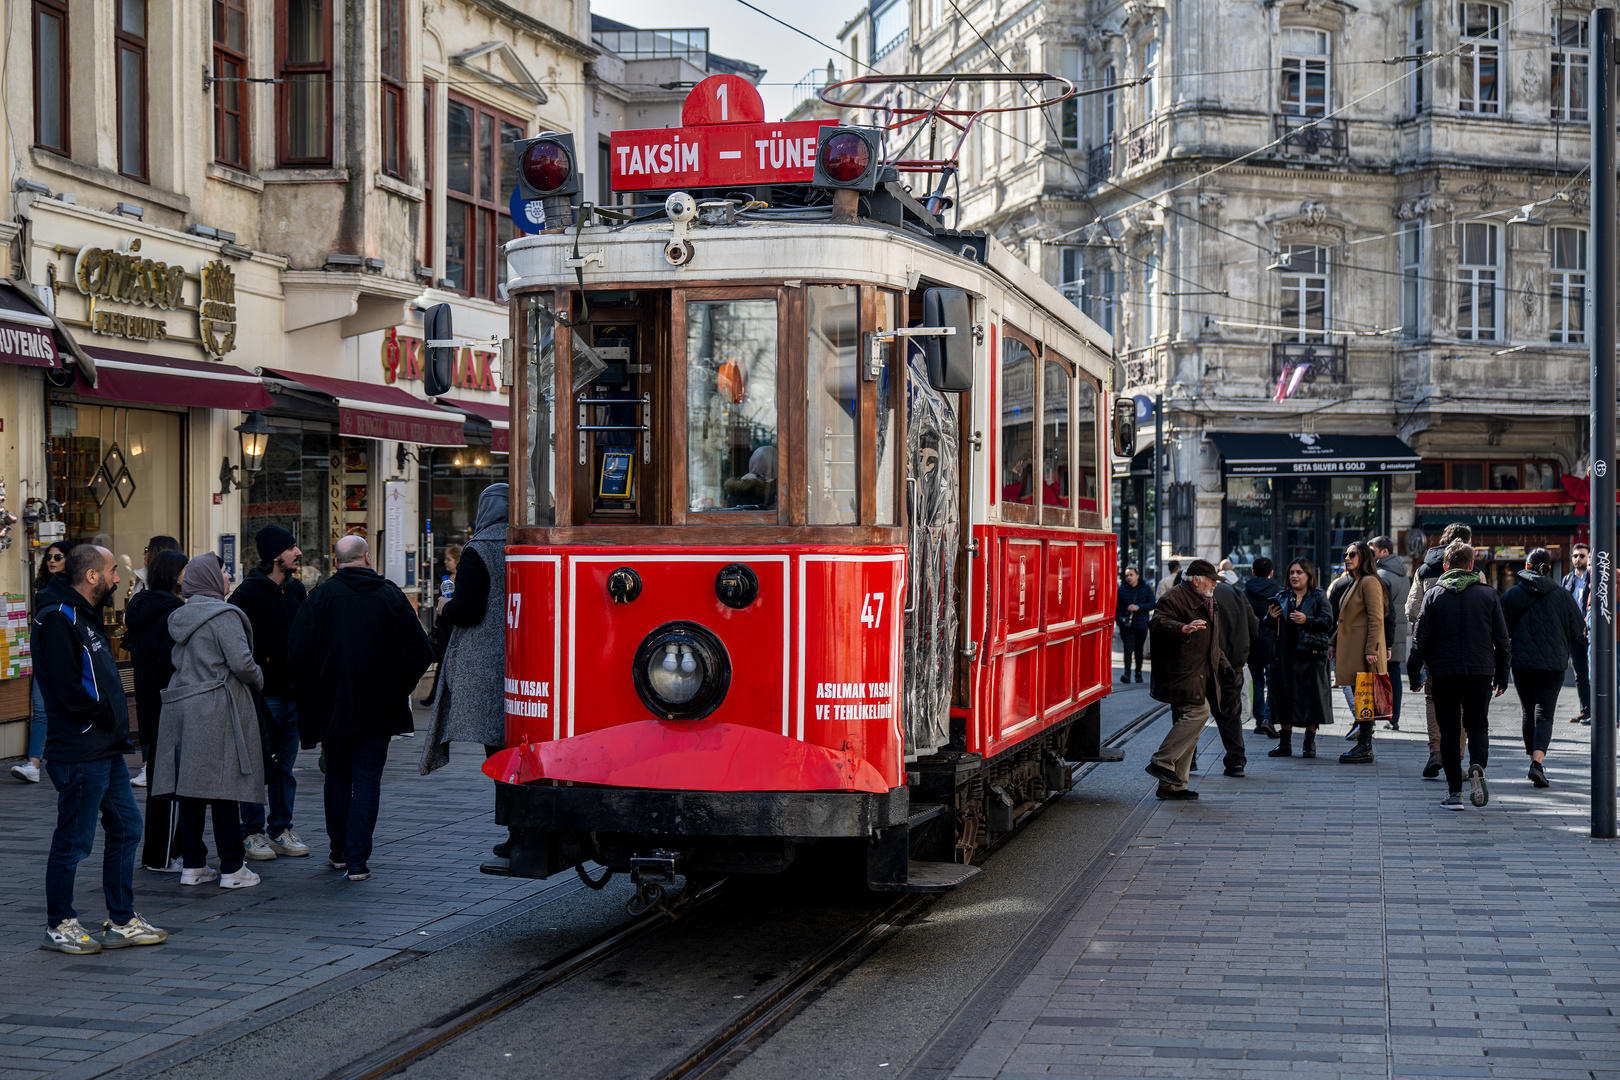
1395	681
354	768
278	772
84	790
36	727
1260	677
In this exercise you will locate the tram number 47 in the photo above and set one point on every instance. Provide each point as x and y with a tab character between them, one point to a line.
872	616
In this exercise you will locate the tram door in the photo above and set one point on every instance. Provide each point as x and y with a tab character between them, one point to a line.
934	520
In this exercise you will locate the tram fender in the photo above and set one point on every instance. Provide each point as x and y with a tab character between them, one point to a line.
687	756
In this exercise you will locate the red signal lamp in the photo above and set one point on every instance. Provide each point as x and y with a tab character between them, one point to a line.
848	157
545	166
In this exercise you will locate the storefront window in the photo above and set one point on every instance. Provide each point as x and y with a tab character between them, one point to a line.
455	477
731	429
293	491
1248	520
833	392
1354	506
118	475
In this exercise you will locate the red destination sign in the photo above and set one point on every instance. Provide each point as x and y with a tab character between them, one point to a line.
725	141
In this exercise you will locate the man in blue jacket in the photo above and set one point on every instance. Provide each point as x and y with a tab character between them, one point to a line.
87	736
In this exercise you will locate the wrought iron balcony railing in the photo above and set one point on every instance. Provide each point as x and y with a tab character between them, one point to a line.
1147	366
1303	136
1323	360
1100	162
1142	143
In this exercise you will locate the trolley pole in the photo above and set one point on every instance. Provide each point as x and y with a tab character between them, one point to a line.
1603	425
1158	491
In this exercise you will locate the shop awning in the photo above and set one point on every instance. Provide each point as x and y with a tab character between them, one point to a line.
32	336
169	380
497	413
382	412
1247	454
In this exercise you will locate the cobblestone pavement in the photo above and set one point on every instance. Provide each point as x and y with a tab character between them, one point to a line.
231	953
1324	920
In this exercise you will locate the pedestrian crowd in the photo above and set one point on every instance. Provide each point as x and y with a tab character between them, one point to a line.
229	686
1440	625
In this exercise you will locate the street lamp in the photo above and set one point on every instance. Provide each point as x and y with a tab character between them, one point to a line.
254	434
1281	264
1525	217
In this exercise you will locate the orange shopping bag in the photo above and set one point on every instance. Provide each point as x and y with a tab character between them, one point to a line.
1375	697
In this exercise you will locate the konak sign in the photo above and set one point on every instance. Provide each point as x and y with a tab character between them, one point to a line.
403	359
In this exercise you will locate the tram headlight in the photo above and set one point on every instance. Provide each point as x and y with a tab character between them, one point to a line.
847	157
545	166
681	671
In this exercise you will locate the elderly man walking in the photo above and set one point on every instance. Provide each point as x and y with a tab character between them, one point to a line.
1188	670
86	738
1462	638
355	651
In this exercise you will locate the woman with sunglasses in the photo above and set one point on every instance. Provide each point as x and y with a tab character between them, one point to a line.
1359	645
52	563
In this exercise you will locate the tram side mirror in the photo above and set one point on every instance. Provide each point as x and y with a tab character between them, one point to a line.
1124	427
440	368
949	357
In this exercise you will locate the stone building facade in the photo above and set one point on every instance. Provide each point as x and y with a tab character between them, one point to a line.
1295	216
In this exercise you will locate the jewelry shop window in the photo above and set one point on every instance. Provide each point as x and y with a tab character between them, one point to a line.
731	407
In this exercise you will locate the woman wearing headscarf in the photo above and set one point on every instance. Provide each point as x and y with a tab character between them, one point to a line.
53	563
471	701
151	652
1359	646
208	754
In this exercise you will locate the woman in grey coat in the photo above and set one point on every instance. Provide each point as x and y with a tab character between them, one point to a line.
208	753
471	701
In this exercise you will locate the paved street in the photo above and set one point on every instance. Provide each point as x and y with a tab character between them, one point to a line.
305	930
1323	920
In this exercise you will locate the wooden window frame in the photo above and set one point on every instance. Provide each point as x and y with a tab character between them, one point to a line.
392	96
58	9
123	41
484	227
225	55
1015	513
283	70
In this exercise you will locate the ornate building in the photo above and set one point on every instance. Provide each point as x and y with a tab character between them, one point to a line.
1304	223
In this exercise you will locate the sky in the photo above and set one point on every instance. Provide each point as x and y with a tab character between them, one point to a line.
737	32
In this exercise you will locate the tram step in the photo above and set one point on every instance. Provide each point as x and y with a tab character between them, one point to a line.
498	867
921	812
929	877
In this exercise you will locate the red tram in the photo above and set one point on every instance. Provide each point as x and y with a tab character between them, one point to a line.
810	518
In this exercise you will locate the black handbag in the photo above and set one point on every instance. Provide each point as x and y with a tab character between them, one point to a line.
1312	643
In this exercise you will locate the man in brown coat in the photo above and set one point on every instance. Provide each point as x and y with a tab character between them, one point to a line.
1188	668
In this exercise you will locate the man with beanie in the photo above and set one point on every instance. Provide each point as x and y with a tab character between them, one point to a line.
1188	671
270	596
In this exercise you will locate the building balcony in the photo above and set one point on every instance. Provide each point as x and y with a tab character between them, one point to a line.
1143	143
1100	162
1323	360
1147	366
1305	137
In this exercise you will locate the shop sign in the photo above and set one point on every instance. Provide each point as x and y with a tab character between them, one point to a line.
1504	522
216	308
135	327
128	278
28	343
402	360
125	277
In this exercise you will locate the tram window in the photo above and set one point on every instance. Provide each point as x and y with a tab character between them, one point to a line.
1086	434
1017	422
1056	432
540	363
888	314
731	424
832	385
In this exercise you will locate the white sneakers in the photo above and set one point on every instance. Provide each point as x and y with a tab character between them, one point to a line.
257	847
27	772
69	937
139	779
242	879
288	844
175	866
200	875
135	932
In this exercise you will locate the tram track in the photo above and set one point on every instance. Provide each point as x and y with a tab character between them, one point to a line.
726	1045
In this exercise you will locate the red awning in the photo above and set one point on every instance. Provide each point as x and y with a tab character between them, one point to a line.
382	412
499	416
27	335
169	380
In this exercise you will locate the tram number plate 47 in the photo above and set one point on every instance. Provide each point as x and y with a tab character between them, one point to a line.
872	611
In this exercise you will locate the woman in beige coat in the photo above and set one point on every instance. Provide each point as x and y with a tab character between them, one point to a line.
1359	645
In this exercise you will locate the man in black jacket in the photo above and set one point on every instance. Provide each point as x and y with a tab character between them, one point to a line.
87	736
1260	590
1236	626
1427	576
270	595
1578	583
1462	638
355	651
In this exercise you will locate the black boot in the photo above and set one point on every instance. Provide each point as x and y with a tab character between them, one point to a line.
1362	752
1431	771
1285	744
1309	748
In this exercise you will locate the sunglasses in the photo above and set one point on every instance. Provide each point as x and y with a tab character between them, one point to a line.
55	556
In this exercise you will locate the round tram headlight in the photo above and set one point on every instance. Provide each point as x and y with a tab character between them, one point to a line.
681	671
845	157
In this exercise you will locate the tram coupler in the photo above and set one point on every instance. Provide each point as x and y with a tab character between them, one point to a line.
655	868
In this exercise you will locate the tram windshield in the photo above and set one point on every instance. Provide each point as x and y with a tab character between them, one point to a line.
731	395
